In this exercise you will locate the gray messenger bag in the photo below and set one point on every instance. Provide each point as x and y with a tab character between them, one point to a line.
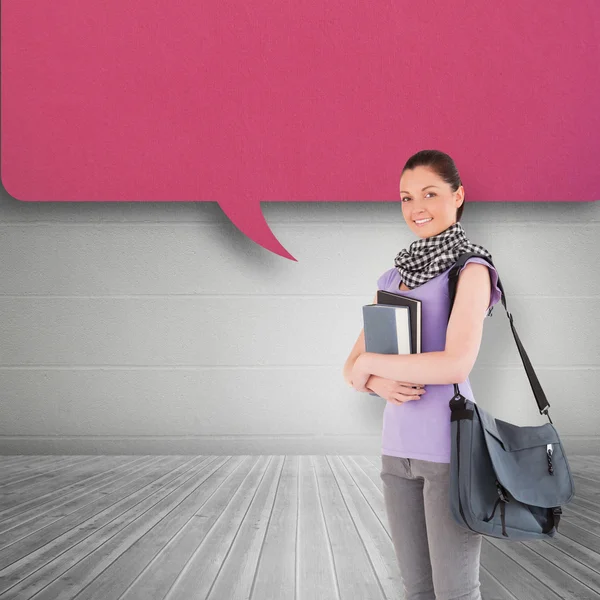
506	481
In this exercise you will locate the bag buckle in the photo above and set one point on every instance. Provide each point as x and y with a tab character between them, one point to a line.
549	456
501	493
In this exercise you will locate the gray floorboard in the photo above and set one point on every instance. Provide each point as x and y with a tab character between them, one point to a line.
248	527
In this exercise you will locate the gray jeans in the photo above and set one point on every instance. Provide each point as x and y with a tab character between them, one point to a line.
438	559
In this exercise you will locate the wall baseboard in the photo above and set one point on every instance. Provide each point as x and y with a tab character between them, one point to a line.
228	445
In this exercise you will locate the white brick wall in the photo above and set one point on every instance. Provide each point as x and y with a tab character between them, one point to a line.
160	328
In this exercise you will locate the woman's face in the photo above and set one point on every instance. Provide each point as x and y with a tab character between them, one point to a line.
437	202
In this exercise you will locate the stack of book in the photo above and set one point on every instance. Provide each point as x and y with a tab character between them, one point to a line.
393	325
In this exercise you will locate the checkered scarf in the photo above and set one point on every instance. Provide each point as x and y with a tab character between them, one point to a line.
428	257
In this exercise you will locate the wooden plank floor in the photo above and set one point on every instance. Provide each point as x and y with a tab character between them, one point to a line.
248	527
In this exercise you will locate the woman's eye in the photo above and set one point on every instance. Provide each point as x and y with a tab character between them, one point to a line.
407	198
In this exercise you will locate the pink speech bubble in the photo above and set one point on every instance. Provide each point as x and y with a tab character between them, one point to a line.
243	103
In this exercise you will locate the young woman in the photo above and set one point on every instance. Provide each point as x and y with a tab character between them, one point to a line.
438	559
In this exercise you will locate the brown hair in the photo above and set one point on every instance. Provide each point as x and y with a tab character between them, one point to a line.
444	167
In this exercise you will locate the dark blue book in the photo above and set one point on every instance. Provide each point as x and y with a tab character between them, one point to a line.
387	329
393	325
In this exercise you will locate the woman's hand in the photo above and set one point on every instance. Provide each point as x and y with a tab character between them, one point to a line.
395	392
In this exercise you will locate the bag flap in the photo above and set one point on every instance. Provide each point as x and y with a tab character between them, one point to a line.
514	437
519	459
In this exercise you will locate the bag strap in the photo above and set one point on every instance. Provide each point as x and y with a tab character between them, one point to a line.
538	392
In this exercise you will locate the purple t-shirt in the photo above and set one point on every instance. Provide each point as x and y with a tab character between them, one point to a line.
421	428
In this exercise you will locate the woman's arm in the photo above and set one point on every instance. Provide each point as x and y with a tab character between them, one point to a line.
463	339
357	350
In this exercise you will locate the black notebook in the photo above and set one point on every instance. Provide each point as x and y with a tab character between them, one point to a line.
414	308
